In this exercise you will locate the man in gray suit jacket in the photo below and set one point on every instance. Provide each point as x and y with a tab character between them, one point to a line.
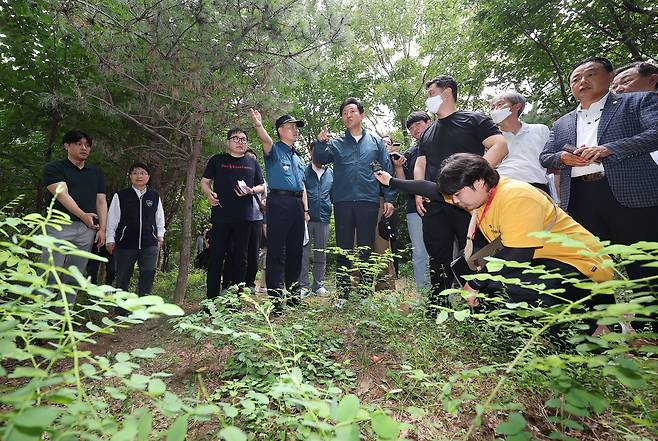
608	182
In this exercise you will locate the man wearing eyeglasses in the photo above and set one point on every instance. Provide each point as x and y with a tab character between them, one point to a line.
287	209
236	178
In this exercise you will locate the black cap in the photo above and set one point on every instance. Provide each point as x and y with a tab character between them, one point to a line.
286	119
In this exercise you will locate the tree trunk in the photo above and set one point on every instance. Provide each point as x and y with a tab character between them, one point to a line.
190	178
53	127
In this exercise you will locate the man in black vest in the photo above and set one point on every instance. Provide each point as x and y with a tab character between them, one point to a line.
135	230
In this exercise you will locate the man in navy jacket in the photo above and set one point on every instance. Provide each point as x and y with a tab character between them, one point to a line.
319	181
356	192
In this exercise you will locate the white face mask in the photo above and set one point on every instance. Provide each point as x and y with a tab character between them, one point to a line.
433	103
499	115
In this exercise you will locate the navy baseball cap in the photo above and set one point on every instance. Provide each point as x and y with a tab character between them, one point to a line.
287	119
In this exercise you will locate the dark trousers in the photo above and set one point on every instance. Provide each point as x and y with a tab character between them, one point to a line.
225	236
94	265
358	217
518	293
125	259
285	235
593	205
441	225
253	248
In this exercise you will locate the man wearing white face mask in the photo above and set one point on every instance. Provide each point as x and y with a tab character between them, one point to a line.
454	131
524	141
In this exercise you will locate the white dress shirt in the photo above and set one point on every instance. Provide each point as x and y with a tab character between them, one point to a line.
587	128
522	161
318	170
114	216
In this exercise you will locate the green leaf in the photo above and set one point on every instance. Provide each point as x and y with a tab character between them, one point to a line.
122	357
115	393
206	409
6	325
88	369
232	433
248	405
515	424
571	424
230	411
166	309
554	402
93	327
144	427
521	436
156	386
29	372
620	309
147	353
37	417
348	433
26	434
178	429
63	396
442	317
416	411
462	314
348	408
296	375
651	349
385	427
574	410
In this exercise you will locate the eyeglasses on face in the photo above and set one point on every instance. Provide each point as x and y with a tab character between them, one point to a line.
239	139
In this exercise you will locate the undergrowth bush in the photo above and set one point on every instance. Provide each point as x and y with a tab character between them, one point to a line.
47	371
295	377
283	377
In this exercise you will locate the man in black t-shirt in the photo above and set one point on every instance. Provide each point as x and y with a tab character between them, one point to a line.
454	131
232	209
82	197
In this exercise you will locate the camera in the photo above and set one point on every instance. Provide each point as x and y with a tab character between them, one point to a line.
376	166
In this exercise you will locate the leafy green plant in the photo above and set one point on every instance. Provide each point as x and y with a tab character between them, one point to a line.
283	375
608	356
52	385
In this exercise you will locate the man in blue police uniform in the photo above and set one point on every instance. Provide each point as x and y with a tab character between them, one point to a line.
287	208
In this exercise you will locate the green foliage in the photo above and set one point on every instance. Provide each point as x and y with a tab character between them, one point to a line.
533	44
608	356
52	384
282	376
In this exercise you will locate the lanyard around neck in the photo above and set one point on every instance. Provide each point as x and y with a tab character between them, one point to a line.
478	220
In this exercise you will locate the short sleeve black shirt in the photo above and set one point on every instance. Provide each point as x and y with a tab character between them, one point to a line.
461	132
83	184
225	171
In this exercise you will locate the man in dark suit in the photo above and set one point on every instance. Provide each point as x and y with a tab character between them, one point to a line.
608	182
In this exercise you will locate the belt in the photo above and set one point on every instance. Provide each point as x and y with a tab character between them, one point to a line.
297	194
590	177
